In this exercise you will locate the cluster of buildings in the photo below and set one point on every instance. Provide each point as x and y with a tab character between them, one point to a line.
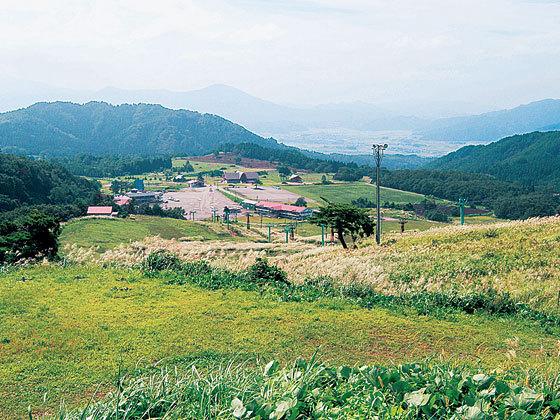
192	183
139	197
241	177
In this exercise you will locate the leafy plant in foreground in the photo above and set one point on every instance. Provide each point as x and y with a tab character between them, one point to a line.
309	389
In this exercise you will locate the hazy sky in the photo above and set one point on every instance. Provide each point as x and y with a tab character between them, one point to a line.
491	53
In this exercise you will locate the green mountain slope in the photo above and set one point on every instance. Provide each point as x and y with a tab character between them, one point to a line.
63	128
531	159
24	182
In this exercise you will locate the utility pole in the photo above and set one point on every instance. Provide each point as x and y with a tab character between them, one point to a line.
378	150
462	203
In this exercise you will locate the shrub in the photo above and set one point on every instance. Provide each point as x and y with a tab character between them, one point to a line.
263	272
161	260
436	216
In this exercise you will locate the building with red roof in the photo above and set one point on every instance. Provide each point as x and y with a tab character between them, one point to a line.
100	211
282	211
122	200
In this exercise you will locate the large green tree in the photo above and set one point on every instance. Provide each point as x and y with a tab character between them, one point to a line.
31	235
345	219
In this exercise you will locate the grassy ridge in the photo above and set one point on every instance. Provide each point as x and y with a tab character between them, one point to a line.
66	330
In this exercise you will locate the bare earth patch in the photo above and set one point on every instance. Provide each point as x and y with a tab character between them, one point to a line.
201	200
266	194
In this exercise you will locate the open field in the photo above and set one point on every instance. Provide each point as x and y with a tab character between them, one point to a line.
200	200
345	193
66	331
520	258
212	166
106	234
266	194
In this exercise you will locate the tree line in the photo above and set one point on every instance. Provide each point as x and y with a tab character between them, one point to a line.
35	196
111	166
293	157
508	200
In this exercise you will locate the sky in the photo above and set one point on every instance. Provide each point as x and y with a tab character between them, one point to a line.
486	54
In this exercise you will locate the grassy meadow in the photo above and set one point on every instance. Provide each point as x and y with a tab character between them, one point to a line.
105	234
458	300
67	331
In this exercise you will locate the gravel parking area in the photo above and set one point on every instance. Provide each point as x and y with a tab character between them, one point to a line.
266	194
201	200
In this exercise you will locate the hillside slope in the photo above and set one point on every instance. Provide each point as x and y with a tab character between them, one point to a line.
484	296
63	128
529	159
26	182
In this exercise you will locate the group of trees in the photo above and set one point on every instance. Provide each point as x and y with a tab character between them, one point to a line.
508	200
153	210
66	129
35	196
27	182
111	166
28	235
529	159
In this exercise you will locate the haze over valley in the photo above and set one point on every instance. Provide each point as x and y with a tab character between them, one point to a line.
344	128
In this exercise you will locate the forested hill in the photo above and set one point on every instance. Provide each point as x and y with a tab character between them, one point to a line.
64	128
530	159
25	182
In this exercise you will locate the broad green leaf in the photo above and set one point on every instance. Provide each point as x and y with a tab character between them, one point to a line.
417	398
238	408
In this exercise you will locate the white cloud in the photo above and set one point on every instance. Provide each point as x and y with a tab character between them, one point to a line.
291	50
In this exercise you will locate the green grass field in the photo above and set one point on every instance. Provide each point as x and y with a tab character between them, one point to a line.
109	233
67	330
345	193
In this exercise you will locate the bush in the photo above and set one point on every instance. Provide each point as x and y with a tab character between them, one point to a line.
263	272
436	216
161	260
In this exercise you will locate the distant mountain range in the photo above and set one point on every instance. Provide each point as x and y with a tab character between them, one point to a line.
65	128
343	127
530	159
537	116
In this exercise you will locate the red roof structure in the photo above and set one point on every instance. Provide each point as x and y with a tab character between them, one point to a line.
100	211
281	207
122	200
